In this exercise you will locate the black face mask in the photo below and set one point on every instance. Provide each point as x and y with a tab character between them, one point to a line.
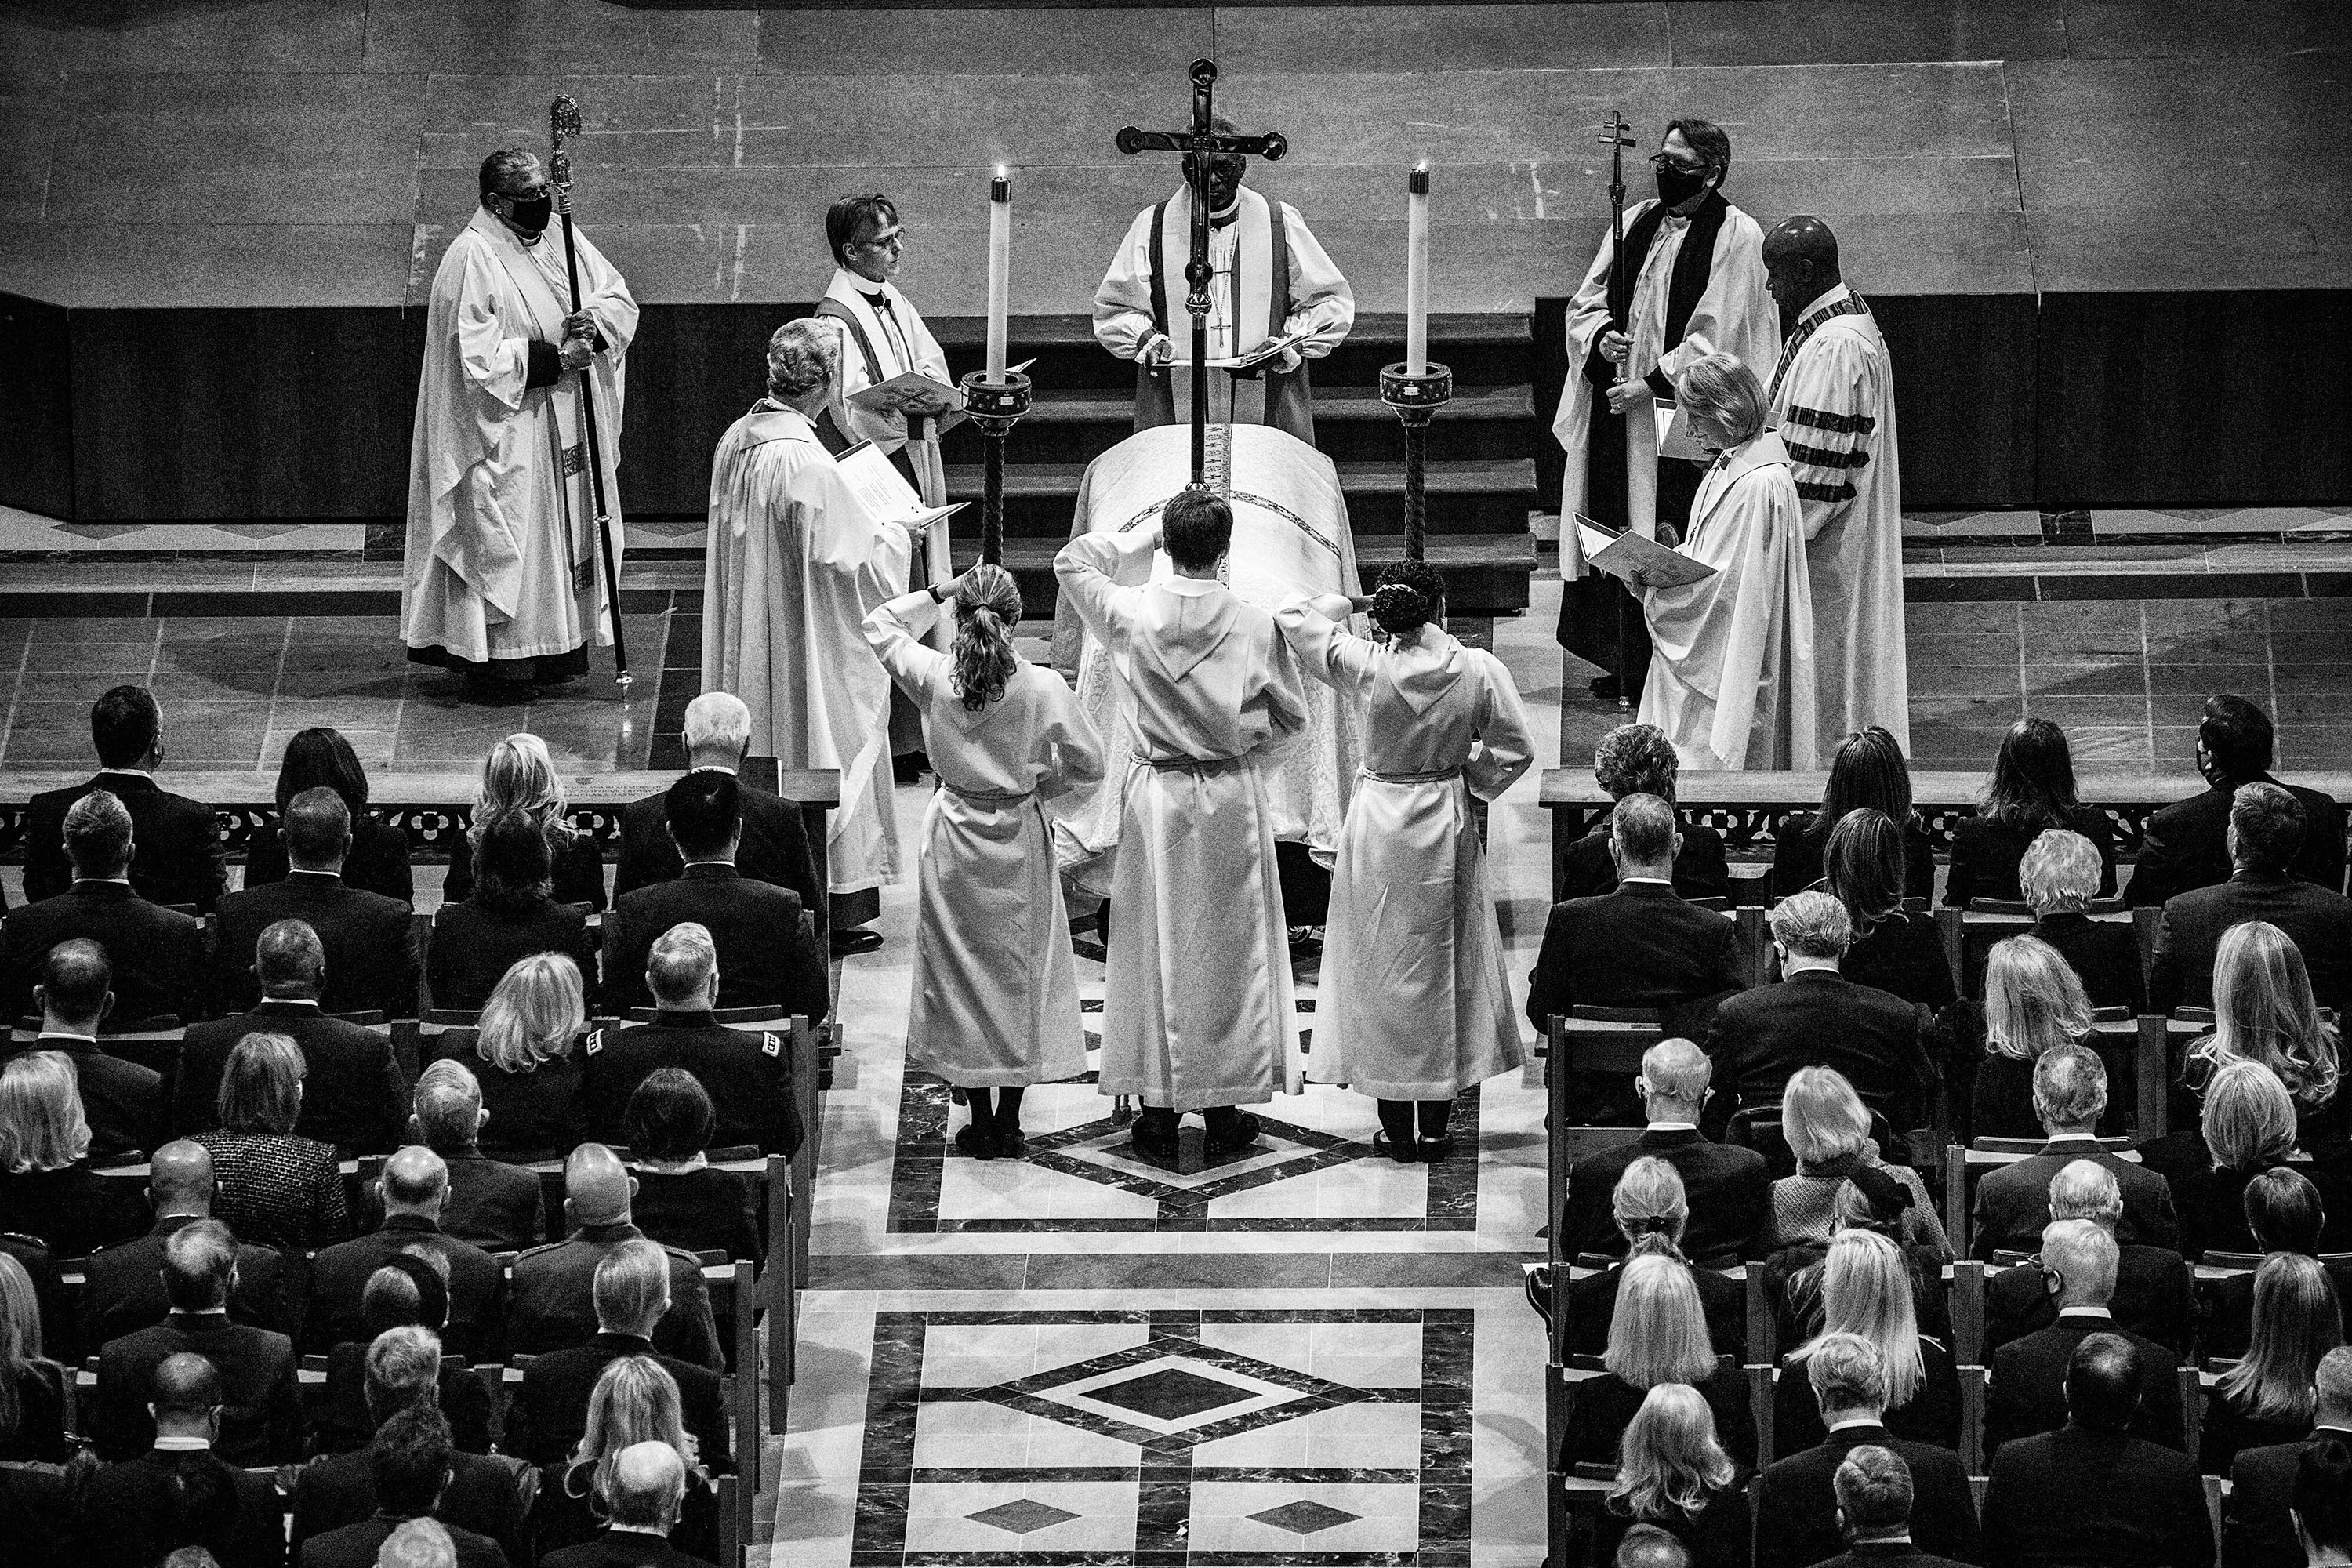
1678	185
530	216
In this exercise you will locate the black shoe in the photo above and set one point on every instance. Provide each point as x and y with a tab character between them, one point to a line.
1012	1143
850	940
1434	1151
1605	687
1538	1281
1231	1137
975	1142
1402	1154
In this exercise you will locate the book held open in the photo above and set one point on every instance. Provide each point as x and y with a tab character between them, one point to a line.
883	491
1644	563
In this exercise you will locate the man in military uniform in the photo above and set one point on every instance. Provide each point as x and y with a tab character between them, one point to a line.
553	1296
749	1076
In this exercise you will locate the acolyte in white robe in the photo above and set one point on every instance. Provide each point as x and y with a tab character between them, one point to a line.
1731	679
900	343
1833	403
794	565
1198	1009
1736	316
501	561
1246	309
995	988
1415	1002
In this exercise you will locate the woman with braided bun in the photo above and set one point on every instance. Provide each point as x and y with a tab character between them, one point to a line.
995	989
1414	1005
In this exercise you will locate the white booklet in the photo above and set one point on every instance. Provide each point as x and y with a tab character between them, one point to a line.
1675	438
884	490
1641	561
1270	348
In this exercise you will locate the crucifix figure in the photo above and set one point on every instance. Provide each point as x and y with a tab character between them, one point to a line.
1203	147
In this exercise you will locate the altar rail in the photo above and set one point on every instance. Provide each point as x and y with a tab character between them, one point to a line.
1749	809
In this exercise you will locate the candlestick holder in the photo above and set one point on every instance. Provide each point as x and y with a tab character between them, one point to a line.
996	406
1415	399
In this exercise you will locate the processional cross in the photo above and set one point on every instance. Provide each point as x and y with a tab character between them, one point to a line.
1199	145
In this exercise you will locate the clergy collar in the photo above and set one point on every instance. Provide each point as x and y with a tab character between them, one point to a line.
128	773
185	1444
1828	301
1192	587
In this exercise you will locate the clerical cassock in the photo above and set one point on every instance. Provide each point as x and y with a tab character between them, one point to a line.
1696	289
1832	400
500	576
796	564
1732	683
1272	278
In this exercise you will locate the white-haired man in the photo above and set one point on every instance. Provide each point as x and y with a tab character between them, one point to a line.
775	846
2029	1375
648	1487
795	564
2070	1092
2154	1287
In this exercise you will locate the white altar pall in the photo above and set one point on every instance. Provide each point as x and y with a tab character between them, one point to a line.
1290	535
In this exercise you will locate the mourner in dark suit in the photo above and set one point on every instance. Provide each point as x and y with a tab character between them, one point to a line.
749	1076
648	1488
371	964
508	916
122	1101
410	1463
2155	1295
352	1096
1873	1491
1816	1017
123	1289
1728	1190
498	1207
179	856
414	1188
632	1293
1796	1497
775	846
261	1409
767	955
1638	759
2028	1375
2089	1494
551	1300
682	1200
2185	845
2012	1204
157	954
2256	1531
2266	828
142	1509
2032	792
378	861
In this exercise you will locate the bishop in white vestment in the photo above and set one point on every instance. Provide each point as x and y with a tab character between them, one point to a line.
1732	683
1272	278
796	564
1198	1010
501	576
1832	400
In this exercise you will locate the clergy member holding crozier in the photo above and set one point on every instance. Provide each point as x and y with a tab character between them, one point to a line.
1696	286
795	564
1833	402
1732	681
500	579
1272	280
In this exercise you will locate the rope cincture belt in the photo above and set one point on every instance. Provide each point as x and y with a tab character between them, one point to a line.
1438	775
1189	764
988	796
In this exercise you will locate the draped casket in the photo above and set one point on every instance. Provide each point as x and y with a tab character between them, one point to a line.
1290	535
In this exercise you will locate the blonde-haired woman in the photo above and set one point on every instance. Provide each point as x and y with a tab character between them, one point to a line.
2264	1012
1650	1208
635	1400
1865	1288
1658	1334
1415	1003
995	1004
1673	1472
525	1054
47	1188
32	1386
2032	1000
1828	1129
2268	1397
518	774
2248	1127
272	1186
1732	678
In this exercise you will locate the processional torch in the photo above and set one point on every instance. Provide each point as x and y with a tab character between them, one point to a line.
995	398
1416	389
563	125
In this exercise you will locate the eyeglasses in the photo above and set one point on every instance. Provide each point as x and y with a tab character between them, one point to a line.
1668	161
894	241
533	195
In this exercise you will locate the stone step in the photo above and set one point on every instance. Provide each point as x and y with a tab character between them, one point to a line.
1481	496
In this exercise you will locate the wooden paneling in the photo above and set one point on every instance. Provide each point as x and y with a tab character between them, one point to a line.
36	408
1964	397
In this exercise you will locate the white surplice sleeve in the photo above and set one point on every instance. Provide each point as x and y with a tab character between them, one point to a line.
1074	751
494	364
1736	314
1504	749
1314	624
604	295
1322	304
1123	301
1830	425
895	632
1103	574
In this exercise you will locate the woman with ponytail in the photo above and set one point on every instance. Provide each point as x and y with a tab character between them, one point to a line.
995	989
1414	1005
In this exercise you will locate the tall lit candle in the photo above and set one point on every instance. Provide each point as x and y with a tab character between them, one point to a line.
1000	268
1416	270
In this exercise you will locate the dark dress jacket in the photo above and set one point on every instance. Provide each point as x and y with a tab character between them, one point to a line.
1591	1302
40	1518
75	1210
767	953
123	1289
2228	1427
376	863
1640	946
1716	1535
1796	1500
1904	956
352	1093
550	1297
1932	1413
1816	1018
370	961
1728	1190
2186	845
1797	860
2156	1297
179	858
2029	1383
473	948
1985	854
563	1519
775	847
578	876
356	1545
748	1075
1888	1554
2003	1101
2318	920
612	1547
477	1289
701	1211
40	1434
2230	1307
1701	872
345	1425
133	1510
2105	955
484	1496
538	1114
158	955
122	1101
2072	1497
551	1413
498	1207
261	1412
2012	1202
1602	1406
2256	1530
